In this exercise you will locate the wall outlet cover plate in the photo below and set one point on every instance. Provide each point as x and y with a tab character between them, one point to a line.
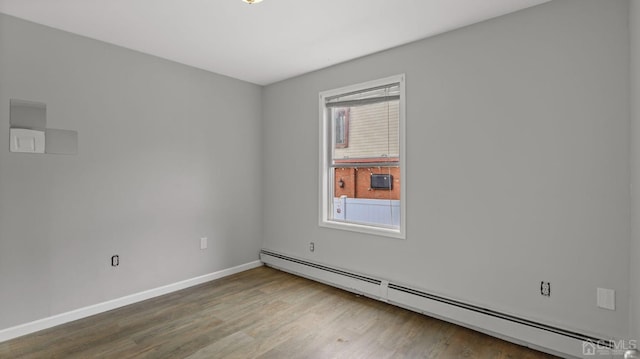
26	141
606	298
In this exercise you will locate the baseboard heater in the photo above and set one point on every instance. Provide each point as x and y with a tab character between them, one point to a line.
521	331
321	267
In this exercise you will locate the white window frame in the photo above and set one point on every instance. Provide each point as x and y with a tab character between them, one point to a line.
327	183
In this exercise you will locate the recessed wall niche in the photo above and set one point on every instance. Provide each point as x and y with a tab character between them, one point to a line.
28	115
29	132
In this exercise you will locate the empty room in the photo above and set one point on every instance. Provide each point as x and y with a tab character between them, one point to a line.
320	179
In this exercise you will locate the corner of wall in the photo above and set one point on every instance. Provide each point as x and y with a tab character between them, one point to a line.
634	39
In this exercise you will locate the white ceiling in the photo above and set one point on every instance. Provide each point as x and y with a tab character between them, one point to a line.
261	43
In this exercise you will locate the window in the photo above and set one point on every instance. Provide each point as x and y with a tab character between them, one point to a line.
362	157
341	116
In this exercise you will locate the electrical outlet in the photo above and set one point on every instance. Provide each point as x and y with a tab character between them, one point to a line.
115	260
545	289
203	242
606	298
312	246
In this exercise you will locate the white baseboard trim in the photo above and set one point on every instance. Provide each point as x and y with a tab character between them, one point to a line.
45	323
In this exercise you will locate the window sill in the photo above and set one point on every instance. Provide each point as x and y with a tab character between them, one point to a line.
362	228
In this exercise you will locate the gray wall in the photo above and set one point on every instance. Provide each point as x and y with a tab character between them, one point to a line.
167	154
634	17
517	165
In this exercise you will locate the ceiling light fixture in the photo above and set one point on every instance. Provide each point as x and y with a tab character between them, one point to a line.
252	1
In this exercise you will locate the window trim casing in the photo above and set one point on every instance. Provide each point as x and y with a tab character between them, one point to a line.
326	183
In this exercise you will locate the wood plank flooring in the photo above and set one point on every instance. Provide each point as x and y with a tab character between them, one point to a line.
261	313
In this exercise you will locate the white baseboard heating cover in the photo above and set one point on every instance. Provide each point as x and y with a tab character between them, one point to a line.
539	336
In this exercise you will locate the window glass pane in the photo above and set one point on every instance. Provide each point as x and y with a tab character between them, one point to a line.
372	133
366	172
357	199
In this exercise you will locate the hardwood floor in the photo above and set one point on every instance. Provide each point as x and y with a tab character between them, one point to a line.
261	313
